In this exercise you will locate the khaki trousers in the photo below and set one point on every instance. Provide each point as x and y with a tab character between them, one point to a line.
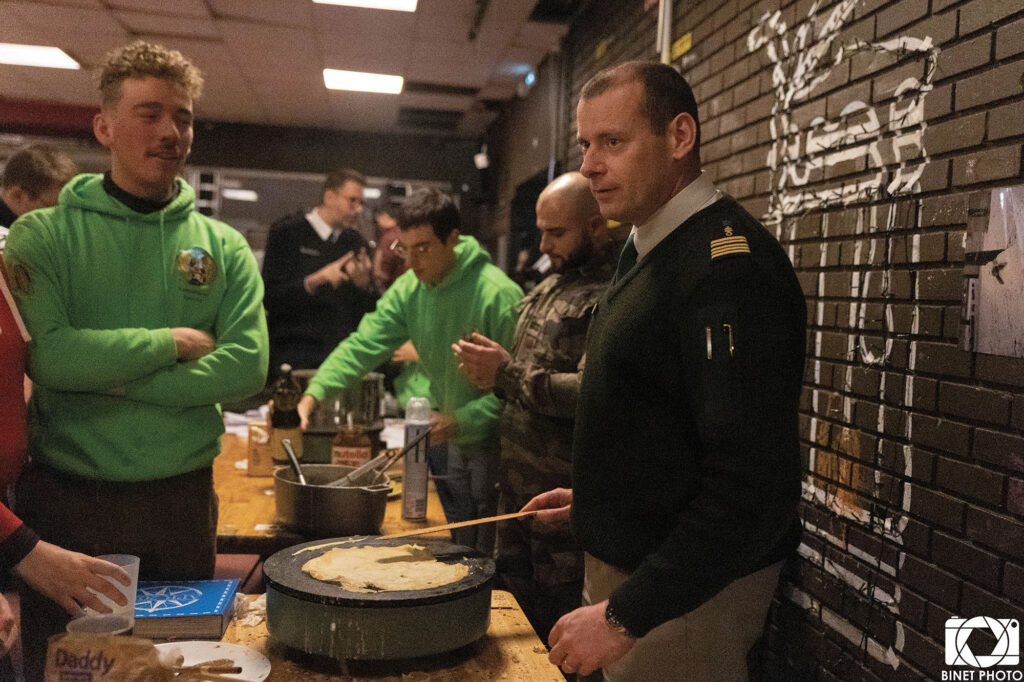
708	644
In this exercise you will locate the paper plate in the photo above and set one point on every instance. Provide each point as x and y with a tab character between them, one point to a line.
255	666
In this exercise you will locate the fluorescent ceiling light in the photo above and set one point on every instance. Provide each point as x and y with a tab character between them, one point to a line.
398	5
240	194
336	79
36	55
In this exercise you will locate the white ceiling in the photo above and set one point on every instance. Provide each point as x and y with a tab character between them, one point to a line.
263	59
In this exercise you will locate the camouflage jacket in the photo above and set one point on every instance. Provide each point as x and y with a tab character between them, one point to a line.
540	383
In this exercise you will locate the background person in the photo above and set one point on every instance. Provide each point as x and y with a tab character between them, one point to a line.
144	315
405	378
56	573
450	290
32	178
539	381
387	264
317	274
686	463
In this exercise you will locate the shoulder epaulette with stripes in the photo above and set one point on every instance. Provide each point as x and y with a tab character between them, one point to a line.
729	245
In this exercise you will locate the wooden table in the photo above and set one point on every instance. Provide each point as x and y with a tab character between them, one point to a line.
247	521
509	651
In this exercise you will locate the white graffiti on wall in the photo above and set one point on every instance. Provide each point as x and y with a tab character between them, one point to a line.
882	150
889	139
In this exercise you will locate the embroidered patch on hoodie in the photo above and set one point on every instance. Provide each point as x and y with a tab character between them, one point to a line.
196	267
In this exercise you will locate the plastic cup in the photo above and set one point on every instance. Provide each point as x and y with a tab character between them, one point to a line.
125	615
101	625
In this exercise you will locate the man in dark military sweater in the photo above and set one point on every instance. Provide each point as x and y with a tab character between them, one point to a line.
686	465
316	273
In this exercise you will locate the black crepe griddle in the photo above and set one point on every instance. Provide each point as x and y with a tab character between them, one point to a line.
324	618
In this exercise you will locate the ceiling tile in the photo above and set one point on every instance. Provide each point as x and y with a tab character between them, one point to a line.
373	56
185	8
542	35
64	25
357	23
90	53
297	13
94	4
465	64
446	7
451	22
17	82
50	85
263	59
269	45
161	25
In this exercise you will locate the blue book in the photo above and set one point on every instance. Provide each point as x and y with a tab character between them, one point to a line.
176	609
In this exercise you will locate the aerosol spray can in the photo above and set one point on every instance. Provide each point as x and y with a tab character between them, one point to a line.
414	475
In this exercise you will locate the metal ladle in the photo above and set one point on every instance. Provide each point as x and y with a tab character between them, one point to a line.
287	443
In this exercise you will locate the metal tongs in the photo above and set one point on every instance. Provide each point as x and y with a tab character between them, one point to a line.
376	466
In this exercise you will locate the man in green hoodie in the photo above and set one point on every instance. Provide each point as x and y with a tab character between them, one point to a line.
144	315
450	290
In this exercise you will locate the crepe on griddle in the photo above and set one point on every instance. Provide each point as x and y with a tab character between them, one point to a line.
384	569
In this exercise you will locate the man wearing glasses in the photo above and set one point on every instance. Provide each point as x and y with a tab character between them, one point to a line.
316	272
450	290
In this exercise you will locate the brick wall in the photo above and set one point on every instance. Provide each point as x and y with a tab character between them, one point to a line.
885	119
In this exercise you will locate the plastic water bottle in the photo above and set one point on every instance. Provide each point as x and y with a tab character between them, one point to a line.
414	475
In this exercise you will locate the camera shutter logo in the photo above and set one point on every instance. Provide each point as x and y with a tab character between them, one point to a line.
1005	630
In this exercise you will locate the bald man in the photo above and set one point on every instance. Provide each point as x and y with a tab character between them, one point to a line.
539	380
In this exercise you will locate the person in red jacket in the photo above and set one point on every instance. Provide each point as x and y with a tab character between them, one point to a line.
63	576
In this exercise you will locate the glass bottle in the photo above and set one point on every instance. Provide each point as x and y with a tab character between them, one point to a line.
285	421
351	446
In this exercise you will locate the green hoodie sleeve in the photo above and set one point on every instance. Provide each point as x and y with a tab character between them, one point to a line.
237	367
376	338
478	419
62	357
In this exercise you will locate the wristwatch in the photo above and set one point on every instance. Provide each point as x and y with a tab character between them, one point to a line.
613	622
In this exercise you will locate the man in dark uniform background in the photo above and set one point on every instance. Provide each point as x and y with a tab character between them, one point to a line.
316	272
686	465
539	380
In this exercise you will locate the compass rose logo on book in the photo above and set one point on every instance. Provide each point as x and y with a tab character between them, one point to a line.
165	597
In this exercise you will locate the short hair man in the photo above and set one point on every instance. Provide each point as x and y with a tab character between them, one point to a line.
316	270
686	465
32	179
539	379
450	290
144	314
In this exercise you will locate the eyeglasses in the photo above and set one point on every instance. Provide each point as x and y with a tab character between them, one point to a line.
419	250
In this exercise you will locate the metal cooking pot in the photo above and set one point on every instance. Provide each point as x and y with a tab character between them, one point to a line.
322	618
317	511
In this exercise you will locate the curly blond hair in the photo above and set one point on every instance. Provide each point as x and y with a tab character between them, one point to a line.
139	59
